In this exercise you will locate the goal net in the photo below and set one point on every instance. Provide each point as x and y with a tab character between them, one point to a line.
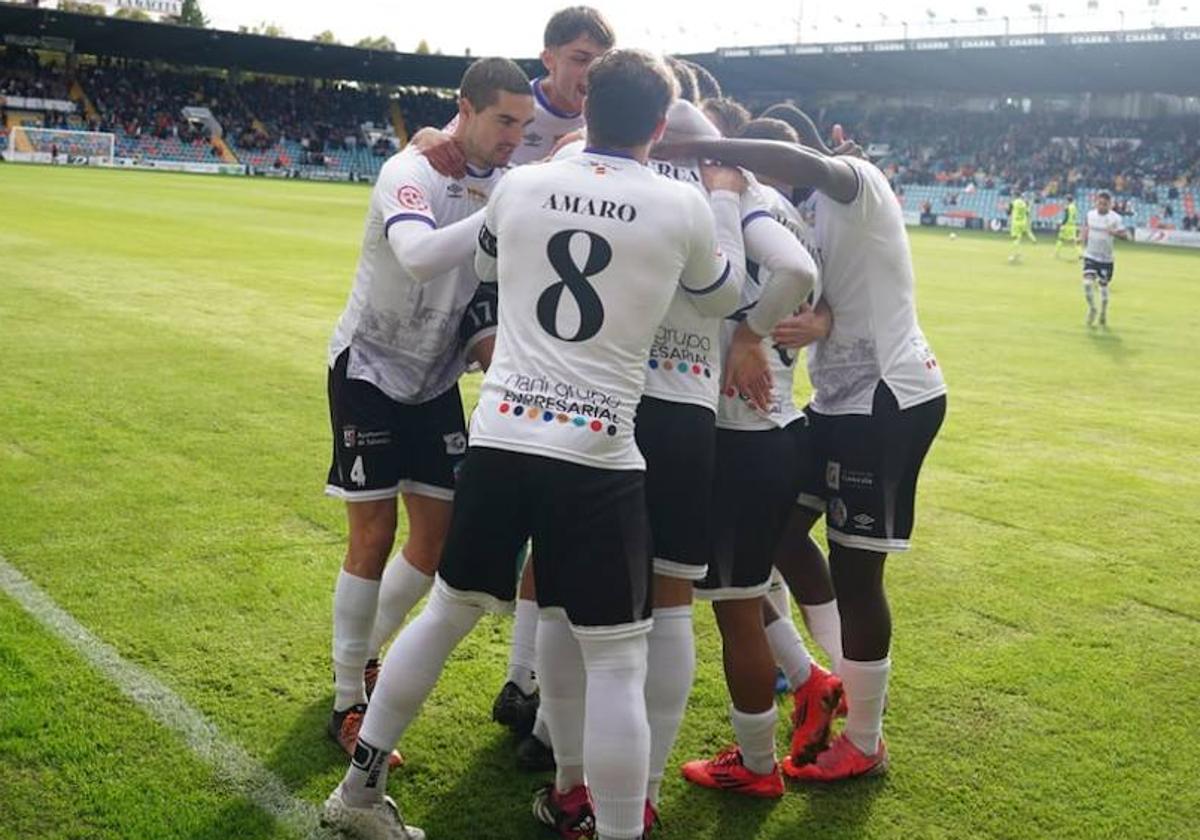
58	145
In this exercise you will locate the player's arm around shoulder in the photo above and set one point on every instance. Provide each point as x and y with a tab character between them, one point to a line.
792	270
712	276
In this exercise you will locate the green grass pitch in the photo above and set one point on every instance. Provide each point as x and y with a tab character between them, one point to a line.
163	442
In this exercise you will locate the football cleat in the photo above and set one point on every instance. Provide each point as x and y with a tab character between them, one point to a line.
516	709
371	676
815	702
728	772
843	760
343	729
381	821
570	814
650	820
534	756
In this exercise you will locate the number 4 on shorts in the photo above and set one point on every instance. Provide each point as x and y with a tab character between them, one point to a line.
357	474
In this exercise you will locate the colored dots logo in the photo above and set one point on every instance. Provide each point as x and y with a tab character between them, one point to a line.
504	408
518	411
533	415
596	425
682	367
653	364
547	416
707	373
696	369
579	421
562	418
612	431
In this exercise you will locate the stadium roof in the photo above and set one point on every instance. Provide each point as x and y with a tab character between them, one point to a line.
182	45
1158	60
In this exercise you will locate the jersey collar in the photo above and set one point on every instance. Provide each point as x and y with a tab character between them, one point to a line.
597	150
542	100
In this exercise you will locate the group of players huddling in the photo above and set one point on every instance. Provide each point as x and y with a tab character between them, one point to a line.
638	311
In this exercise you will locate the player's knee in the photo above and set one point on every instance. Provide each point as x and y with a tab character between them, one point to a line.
371	541
624	656
424	554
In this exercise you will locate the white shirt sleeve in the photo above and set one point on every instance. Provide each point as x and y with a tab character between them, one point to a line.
410	224
716	263
792	271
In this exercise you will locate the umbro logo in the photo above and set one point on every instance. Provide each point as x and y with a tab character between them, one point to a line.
454	190
533	139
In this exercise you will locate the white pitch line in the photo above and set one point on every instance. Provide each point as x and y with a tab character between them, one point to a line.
234	766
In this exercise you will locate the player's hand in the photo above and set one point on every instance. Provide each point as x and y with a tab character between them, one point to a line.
803	328
565	140
843	145
722	178
746	368
445	155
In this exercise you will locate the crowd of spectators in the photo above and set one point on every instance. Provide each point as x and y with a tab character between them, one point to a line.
1050	155
1005	149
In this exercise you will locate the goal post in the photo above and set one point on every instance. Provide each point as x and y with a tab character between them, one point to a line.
60	145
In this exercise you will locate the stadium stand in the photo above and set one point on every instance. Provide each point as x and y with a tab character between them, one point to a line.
950	159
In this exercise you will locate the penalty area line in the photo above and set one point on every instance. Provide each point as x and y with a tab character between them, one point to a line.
233	765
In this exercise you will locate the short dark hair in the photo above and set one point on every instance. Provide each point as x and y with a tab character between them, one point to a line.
568	24
629	92
707	86
728	115
805	128
486	78
1104	194
768	128
684	78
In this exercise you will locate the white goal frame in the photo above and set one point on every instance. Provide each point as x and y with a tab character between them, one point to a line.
37	145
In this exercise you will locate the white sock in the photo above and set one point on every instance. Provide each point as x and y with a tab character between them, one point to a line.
410	670
789	651
616	738
1089	294
779	596
671	666
354	600
755	733
563	687
403	585
522	653
866	688
1103	298
540	730
824	622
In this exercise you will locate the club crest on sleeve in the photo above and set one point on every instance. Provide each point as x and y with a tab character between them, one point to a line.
413	198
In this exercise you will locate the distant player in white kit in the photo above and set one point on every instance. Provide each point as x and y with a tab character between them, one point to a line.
1102	225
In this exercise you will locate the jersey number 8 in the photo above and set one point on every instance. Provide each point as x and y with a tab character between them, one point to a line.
575	280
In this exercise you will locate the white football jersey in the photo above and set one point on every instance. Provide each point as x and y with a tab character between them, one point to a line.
867	280
548	127
1100	230
685	359
403	333
763	247
588	253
